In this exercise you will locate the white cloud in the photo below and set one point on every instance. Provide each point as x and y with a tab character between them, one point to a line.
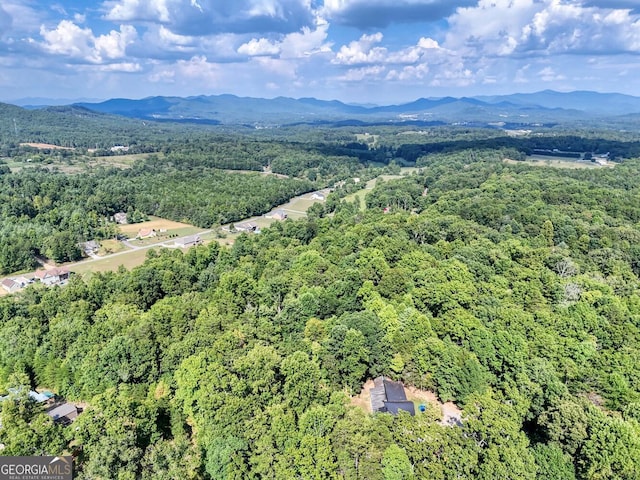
70	40
362	51
307	41
138	10
114	44
258	47
365	73
199	17
409	73
542	27
548	74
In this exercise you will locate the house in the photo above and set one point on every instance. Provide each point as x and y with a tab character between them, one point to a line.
11	286
146	233
120	218
317	196
43	398
190	241
64	414
278	214
53	276
90	247
389	396
246	227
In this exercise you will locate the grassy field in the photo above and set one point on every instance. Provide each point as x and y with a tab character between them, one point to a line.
128	260
158	224
79	163
557	162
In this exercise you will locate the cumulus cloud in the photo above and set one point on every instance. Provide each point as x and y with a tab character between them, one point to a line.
70	40
542	27
368	14
258	47
201	17
374	72
548	74
365	51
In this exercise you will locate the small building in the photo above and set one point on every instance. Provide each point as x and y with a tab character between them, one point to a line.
389	396
53	276
64	414
146	233
246	227
43	398
120	218
90	247
11	286
278	214
317	196
190	241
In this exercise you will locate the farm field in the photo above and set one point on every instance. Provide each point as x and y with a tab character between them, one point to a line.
157	224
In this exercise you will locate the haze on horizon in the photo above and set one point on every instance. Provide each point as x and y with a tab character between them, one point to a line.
367	51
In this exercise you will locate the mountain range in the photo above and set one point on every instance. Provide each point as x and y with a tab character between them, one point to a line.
515	109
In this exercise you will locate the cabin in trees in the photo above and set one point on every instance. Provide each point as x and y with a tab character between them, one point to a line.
190	241
53	276
64	414
389	396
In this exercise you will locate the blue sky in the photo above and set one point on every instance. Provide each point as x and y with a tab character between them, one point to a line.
366	51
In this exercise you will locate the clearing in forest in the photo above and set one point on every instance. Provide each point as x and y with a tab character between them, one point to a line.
157	224
44	146
450	413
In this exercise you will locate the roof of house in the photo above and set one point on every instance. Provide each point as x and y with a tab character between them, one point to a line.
389	396
54	272
395	407
394	391
63	410
145	232
7	282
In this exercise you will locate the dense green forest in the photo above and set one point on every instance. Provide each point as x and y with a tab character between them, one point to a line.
511	290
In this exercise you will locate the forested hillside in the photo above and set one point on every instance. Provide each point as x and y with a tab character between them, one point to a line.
511	290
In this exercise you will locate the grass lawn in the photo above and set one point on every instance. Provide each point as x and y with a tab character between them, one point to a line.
129	260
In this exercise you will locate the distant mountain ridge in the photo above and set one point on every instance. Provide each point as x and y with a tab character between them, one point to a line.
546	105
